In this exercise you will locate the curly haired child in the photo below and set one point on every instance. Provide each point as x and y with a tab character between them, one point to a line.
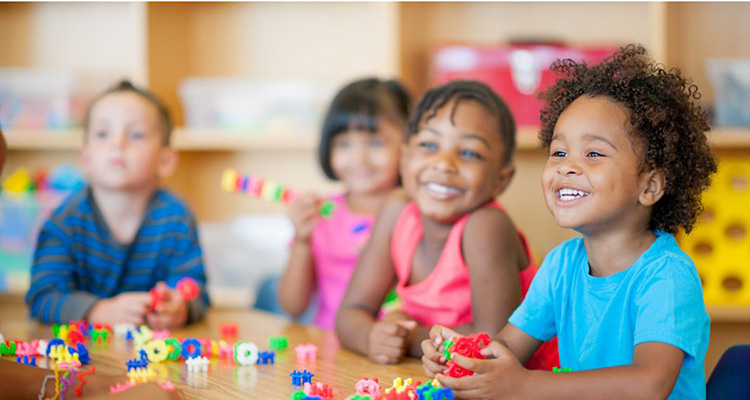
628	160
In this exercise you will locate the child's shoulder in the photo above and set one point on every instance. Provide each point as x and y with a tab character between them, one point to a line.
76	203
167	204
665	259
491	221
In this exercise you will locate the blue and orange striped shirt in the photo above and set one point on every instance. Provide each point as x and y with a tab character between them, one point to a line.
77	261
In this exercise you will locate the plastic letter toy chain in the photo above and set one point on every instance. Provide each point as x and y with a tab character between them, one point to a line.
232	181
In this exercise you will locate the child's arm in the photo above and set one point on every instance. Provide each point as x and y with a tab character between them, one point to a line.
186	262
494	256
652	375
52	295
384	341
298	281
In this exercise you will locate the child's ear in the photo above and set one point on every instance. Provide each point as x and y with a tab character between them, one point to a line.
655	181
168	158
503	179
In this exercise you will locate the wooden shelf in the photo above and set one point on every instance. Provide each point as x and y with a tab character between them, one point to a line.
182	139
217	140
729	313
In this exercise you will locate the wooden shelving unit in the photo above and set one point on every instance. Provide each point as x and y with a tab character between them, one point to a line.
217	140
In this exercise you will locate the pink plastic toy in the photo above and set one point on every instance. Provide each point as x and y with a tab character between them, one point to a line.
306	351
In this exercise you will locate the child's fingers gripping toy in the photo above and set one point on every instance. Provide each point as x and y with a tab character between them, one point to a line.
467	346
187	287
232	181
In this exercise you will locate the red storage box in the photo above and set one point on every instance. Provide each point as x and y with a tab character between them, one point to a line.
517	72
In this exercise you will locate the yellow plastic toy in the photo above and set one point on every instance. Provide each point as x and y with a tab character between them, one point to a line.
720	242
157	351
18	182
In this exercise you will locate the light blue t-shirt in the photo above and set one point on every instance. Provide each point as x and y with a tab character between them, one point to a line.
599	321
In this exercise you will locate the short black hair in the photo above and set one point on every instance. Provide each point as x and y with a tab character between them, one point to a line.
459	90
665	117
361	105
126	86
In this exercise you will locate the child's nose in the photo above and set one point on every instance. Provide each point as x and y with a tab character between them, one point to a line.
120	139
568	167
445	163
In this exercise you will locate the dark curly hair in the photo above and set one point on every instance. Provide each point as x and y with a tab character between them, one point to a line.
439	96
664	114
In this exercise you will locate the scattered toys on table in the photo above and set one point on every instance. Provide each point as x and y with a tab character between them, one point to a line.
70	354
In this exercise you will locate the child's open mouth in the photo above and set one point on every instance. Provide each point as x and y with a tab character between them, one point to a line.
567	194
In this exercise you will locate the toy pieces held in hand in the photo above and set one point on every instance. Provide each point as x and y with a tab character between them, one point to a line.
467	346
187	287
232	181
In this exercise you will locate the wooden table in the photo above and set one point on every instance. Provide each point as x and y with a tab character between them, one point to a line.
225	379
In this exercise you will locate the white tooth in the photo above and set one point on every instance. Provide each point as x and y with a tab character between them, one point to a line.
441	189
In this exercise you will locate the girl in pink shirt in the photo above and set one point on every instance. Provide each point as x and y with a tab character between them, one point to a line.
360	145
452	252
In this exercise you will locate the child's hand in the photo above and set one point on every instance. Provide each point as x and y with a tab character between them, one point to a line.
171	312
129	307
500	376
433	359
303	213
387	341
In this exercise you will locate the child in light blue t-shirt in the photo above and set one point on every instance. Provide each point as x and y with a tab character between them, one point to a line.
628	160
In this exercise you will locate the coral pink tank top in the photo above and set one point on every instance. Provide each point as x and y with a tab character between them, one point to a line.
444	296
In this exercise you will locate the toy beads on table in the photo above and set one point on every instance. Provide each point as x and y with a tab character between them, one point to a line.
232	181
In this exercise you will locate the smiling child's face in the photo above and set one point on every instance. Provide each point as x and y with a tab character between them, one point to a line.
593	178
453	164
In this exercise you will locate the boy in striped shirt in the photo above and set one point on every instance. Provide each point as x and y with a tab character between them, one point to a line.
107	245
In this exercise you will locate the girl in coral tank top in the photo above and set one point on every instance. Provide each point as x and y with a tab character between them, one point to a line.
450	249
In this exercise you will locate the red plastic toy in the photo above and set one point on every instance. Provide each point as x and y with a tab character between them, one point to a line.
467	346
187	287
228	331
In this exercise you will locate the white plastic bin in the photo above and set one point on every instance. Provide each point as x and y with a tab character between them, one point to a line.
731	83
253	106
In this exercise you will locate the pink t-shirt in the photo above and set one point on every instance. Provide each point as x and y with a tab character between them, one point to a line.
336	245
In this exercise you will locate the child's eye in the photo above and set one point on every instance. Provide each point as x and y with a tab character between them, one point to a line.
136	135
376	142
100	134
558	154
428	146
594	154
471	154
342	144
